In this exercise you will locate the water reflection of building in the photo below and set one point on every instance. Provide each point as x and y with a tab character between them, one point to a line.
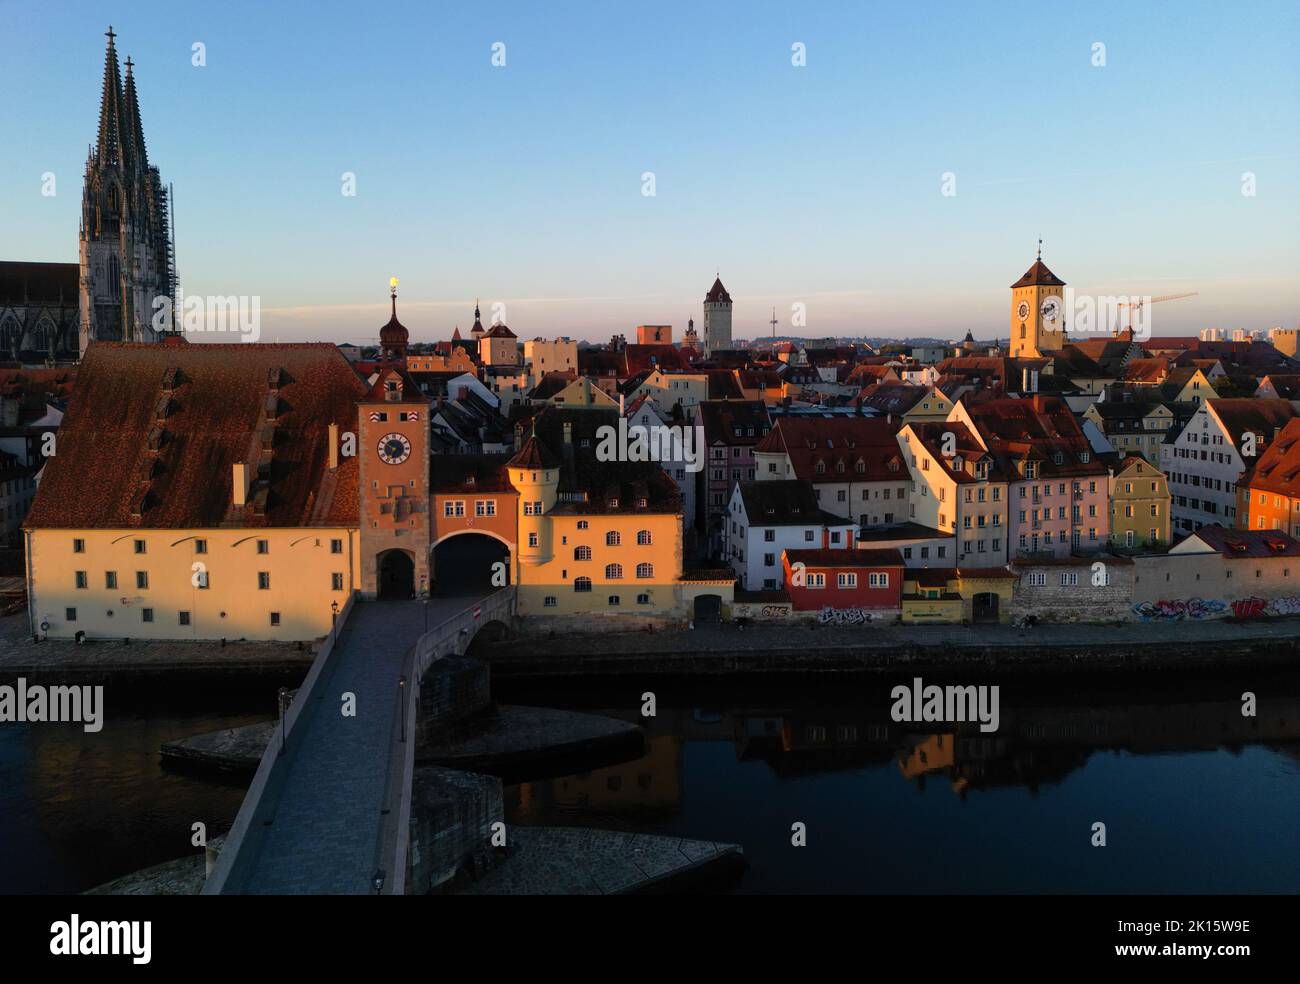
650	785
1034	745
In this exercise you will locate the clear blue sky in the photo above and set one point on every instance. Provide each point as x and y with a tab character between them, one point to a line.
818	185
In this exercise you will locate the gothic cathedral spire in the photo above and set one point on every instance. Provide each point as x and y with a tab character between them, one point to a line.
127	279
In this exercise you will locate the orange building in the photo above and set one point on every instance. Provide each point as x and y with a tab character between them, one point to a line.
1268	494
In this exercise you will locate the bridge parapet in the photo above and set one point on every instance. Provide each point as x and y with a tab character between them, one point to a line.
450	636
241	843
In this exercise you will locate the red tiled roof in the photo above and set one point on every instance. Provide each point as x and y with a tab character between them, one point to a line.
534	454
846	558
152	432
839	446
1248	543
717	292
1261	416
1039	276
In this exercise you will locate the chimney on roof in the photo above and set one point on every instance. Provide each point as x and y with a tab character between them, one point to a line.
239	483
334	447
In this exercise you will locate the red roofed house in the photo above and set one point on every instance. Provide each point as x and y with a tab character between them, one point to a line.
845	585
958	488
1058	492
853	464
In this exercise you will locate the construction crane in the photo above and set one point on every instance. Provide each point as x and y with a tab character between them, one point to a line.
1150	300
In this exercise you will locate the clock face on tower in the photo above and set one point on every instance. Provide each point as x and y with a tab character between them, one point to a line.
1022	312
394	449
1051	308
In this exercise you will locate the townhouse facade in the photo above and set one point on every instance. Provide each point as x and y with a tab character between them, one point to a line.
957	489
1140	513
766	518
1204	461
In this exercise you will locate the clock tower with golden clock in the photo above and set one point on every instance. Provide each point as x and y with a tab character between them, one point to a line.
1037	312
393	459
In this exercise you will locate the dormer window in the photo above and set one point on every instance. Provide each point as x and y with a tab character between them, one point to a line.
860	467
613	503
1058	458
821	468
839	467
1086	456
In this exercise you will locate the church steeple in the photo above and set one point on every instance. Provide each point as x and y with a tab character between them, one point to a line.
110	148
132	127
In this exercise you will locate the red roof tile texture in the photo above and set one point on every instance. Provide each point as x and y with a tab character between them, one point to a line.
152	433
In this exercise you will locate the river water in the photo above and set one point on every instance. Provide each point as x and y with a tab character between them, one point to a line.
1195	797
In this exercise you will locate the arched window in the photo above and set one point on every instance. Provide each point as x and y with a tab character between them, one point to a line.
613	572
821	468
645	570
613	539
643	538
582	553
582	584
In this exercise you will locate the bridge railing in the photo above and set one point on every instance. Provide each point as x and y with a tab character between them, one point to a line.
244	836
445	637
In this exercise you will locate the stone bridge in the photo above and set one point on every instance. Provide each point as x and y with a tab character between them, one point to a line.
329	809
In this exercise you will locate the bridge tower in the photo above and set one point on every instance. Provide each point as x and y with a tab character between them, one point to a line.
393	465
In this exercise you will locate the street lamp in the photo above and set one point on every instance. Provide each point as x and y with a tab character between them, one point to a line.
401	703
284	709
334	617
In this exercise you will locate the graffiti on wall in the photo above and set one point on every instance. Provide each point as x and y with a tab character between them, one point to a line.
846	616
778	611
1179	609
1263	608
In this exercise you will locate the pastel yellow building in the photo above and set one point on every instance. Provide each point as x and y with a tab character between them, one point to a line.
1139	505
191	584
598	538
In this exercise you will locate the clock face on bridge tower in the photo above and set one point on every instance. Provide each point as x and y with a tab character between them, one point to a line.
394	449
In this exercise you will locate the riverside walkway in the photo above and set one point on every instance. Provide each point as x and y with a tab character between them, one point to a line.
329	809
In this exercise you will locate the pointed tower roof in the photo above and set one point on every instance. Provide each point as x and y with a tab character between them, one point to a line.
111	147
534	454
455	334
478	321
717	292
1039	276
394	334
132	129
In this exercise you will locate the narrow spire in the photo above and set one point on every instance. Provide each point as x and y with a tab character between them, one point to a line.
110	108
133	130
1040	247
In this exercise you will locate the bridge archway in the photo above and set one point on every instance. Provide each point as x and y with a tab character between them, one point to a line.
396	574
488	633
467	562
